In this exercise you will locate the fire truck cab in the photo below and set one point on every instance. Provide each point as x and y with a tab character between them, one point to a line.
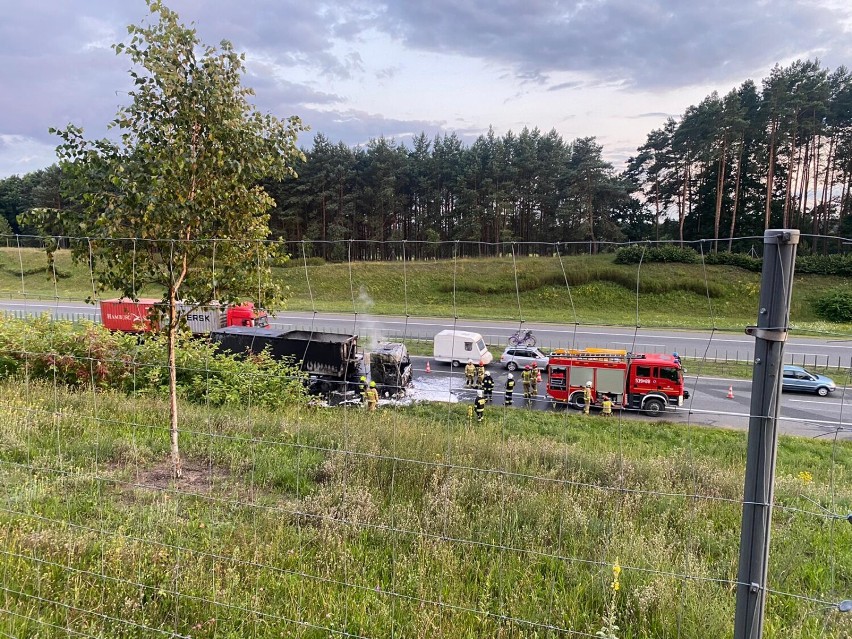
635	381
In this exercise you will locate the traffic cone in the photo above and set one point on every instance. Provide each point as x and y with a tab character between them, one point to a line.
538	377
731	391
428	368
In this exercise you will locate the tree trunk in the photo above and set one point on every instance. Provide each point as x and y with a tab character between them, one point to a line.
682	208
770	175
177	471
789	176
720	186
736	198
657	204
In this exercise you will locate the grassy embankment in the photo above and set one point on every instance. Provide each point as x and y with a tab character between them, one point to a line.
601	292
408	523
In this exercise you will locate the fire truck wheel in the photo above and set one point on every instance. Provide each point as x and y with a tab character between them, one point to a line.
653	407
576	400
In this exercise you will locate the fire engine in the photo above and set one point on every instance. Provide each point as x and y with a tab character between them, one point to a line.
636	381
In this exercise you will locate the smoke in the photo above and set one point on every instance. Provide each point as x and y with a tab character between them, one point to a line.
369	331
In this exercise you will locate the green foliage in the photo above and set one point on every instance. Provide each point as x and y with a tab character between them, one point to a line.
825	264
835	306
636	253
90	356
741	260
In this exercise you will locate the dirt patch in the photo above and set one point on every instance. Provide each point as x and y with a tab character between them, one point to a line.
197	477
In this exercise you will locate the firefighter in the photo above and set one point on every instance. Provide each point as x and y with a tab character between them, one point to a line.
606	406
479	405
510	386
587	398
525	380
535	378
372	397
480	374
362	389
469	372
488	386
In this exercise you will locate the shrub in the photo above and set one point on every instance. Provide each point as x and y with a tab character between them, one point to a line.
636	253
90	356
835	306
825	264
741	260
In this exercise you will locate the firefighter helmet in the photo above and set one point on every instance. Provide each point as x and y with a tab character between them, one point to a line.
470	361
675	355
511	376
527	367
363	379
588	384
479	393
372	384
481	363
535	364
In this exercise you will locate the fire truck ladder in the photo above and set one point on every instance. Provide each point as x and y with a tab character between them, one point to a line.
598	354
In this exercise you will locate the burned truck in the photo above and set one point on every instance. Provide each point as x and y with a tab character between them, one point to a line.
390	368
331	360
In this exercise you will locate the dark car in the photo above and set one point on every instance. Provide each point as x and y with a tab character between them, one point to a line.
515	357
797	378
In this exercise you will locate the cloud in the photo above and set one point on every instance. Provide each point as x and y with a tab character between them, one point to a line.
650	44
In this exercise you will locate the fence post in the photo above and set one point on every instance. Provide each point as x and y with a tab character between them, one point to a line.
779	258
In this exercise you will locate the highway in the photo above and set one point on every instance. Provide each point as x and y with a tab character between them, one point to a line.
802	414
833	351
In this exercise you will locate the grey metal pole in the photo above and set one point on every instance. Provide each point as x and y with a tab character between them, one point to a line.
779	258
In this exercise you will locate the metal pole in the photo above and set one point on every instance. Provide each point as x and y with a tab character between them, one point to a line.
779	258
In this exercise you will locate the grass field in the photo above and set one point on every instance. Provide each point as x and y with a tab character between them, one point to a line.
313	522
586	289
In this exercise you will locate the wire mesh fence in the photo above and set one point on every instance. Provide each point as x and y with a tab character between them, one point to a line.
298	517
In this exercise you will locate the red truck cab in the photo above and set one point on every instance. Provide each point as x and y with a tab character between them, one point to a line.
247	315
647	382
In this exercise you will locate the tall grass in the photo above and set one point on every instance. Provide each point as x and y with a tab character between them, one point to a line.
408	523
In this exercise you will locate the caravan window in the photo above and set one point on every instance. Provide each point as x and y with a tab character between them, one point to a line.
481	345
468	346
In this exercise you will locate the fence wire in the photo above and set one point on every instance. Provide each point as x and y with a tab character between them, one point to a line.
309	515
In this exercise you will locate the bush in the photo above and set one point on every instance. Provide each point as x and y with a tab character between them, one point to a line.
636	253
741	260
90	356
825	264
835	306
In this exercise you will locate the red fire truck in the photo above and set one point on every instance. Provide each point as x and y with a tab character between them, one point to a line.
635	381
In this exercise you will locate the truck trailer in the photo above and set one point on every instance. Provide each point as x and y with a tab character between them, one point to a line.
146	314
331	360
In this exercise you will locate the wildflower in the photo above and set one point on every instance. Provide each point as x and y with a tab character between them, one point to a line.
805	477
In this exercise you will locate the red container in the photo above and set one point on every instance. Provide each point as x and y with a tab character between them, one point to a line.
128	316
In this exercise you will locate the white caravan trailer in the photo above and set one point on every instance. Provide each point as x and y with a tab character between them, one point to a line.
456	347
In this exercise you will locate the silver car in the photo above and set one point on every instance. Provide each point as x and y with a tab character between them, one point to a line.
515	357
797	378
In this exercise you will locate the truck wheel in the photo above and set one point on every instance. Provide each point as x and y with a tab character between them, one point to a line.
576	401
653	407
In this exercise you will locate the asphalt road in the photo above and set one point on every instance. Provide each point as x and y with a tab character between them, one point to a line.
801	414
835	351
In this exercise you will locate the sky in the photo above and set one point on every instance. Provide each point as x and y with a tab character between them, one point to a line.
355	71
